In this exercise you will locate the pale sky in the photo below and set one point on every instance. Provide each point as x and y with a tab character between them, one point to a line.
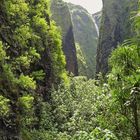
92	6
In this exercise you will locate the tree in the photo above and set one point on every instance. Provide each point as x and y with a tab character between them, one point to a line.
31	62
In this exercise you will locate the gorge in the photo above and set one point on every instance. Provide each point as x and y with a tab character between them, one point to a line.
67	73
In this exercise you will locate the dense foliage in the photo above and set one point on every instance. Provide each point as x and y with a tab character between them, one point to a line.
37	99
31	61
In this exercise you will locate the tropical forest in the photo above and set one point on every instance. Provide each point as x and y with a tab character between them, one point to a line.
68	74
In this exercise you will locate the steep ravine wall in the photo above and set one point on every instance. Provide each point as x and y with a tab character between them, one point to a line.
62	17
86	35
115	28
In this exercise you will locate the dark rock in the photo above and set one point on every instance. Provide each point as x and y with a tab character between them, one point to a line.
61	15
115	28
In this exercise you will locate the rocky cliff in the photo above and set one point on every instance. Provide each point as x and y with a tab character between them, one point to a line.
115	28
86	33
62	17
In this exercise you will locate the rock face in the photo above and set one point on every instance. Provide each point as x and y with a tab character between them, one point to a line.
86	36
115	28
62	17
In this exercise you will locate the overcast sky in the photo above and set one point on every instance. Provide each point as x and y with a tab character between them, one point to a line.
92	6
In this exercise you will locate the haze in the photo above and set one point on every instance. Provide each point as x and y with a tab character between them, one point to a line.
92	6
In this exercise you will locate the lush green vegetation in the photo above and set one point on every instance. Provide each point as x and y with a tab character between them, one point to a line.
37	99
31	61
